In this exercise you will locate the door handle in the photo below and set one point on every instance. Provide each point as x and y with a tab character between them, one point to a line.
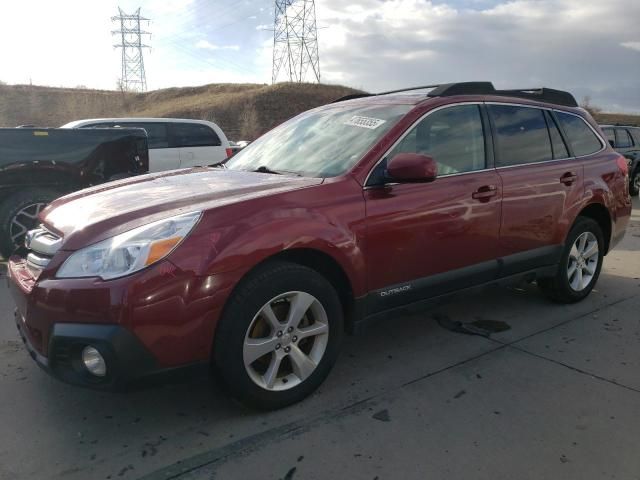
484	193
568	178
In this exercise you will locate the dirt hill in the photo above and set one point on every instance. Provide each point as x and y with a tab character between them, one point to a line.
244	111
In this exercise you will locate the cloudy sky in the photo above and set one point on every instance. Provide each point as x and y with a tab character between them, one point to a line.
591	47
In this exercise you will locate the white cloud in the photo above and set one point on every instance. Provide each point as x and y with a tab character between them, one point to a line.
631	45
568	44
205	44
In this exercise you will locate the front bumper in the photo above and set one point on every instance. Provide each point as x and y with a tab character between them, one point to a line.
126	358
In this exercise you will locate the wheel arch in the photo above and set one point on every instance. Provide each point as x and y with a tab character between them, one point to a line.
327	266
599	213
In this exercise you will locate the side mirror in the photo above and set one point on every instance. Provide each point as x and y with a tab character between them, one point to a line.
612	143
412	168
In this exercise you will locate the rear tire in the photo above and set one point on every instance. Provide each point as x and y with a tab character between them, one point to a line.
267	355
580	264
18	214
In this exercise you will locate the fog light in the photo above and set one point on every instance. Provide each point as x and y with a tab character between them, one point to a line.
94	362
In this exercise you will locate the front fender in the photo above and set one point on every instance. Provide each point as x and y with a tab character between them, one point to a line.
328	218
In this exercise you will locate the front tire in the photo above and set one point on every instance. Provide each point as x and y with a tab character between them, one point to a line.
279	335
580	263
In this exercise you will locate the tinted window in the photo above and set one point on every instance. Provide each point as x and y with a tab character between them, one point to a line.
557	143
193	135
521	135
582	139
453	137
623	140
156	132
610	135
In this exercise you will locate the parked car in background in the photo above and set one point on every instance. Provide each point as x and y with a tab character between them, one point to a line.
626	140
39	165
173	142
339	215
237	146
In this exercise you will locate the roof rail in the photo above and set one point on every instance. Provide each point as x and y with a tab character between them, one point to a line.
548	95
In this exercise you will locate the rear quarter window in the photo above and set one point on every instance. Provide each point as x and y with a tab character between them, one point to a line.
581	137
193	135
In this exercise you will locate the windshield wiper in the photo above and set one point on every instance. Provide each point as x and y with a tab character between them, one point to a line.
265	169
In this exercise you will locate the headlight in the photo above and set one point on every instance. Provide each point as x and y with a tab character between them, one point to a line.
130	251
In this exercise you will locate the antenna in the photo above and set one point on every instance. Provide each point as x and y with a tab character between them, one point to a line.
295	41
133	77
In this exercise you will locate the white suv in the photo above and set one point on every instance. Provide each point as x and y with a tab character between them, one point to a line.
173	142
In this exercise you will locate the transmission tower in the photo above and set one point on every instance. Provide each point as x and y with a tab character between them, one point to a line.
295	41
133	78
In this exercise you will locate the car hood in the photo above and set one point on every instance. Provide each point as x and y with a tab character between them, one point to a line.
96	213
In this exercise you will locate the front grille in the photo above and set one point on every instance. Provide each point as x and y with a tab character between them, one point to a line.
42	245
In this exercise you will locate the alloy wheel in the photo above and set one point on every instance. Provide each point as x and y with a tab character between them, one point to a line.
583	261
24	220
286	341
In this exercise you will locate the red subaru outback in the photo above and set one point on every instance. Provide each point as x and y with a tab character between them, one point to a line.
341	214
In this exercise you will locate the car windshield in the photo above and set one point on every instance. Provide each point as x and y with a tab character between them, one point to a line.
320	143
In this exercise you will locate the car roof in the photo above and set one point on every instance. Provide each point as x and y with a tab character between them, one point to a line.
138	119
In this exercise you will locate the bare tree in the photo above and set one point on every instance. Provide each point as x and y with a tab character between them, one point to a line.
592	109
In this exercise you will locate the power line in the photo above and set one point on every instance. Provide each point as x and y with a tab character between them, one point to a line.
295	40
133	77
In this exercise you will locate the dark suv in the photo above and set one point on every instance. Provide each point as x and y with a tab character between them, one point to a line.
626	140
342	214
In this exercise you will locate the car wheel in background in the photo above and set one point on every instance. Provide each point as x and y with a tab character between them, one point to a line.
580	263
634	188
279	335
19	214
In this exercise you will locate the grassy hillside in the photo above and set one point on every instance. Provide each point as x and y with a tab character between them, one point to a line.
244	111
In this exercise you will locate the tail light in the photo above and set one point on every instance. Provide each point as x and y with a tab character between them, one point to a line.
229	152
623	165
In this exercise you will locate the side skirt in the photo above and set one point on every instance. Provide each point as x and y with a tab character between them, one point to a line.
363	319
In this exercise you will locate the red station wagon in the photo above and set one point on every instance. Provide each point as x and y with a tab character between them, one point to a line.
342	214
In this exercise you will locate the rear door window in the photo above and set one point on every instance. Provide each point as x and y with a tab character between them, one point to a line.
521	135
581	137
193	135
623	139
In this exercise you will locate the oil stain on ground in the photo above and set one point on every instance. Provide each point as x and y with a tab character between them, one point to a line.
481	326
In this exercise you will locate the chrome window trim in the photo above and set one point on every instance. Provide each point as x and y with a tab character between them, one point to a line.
406	132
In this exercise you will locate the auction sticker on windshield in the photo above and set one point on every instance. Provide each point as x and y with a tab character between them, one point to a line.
364	122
